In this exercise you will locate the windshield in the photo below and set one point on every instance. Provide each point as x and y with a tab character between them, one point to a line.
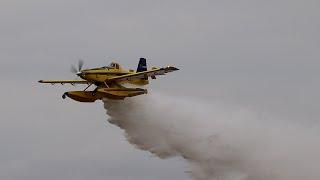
112	66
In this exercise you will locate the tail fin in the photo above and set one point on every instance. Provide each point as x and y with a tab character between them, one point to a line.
142	66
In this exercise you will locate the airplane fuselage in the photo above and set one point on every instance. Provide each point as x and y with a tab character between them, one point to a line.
99	76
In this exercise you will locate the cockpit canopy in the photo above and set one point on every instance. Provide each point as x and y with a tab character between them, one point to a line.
112	65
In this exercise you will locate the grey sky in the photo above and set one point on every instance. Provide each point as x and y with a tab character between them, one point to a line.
258	54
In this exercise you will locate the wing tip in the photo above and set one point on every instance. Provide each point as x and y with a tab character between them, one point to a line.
176	69
172	68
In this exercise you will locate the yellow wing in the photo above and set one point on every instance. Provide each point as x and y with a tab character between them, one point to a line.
140	75
64	82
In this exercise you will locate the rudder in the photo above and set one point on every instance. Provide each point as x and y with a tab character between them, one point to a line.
142	66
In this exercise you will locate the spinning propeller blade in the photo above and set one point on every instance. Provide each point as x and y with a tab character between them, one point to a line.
73	69
80	65
77	70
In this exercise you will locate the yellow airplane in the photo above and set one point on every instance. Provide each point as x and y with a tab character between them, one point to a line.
110	81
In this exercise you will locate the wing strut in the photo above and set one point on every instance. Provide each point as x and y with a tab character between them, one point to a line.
105	83
87	87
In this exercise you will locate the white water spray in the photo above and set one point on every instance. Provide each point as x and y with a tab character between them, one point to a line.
218	142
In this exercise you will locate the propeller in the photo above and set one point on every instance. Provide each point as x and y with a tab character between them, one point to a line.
77	70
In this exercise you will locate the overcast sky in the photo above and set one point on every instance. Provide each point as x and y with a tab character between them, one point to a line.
258	54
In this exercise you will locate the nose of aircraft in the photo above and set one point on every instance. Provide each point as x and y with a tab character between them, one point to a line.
81	74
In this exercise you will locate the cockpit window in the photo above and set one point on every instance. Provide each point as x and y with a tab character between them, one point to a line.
112	66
